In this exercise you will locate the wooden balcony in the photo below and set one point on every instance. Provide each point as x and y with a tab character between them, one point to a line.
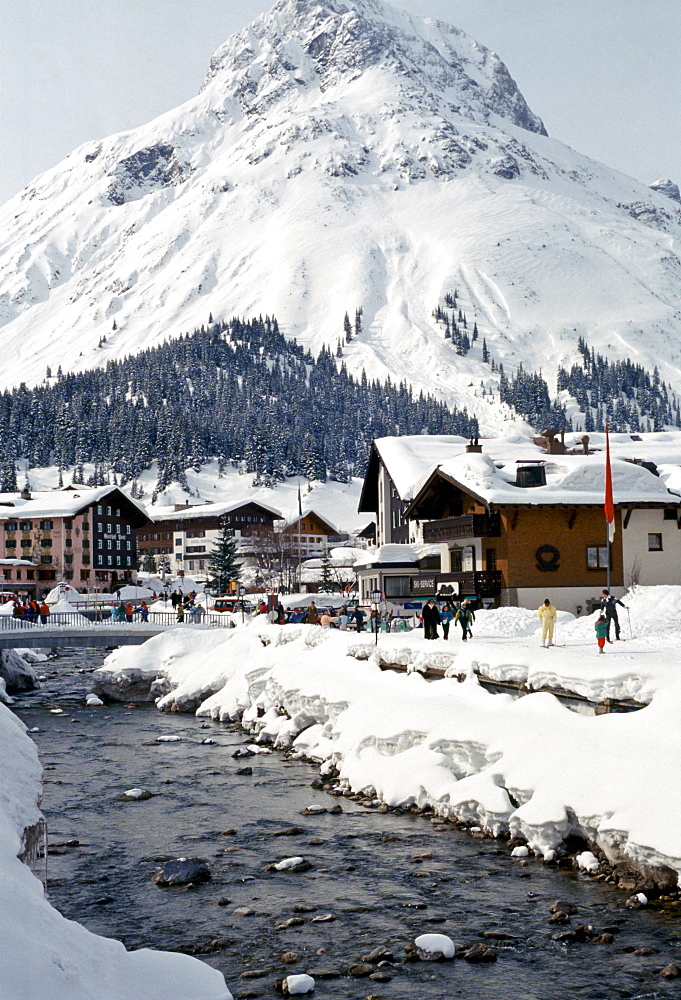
468	526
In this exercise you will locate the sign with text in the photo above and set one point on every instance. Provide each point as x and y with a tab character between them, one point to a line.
423	585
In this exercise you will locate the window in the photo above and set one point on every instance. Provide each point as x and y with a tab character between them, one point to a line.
128	545
191	564
11	543
84	574
99	543
166	535
86	543
108	528
100	526
491	560
46	525
118	544
68	523
118	560
108	511
396	586
100	510
118	513
68	543
68	557
109	543
128	529
195	548
46	543
654	542
10	525
68	574
25	543
100	560
196	534
46	559
86	527
86	559
178	541
26	525
597	557
129	560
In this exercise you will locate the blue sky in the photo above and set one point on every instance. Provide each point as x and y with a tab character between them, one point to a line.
603	74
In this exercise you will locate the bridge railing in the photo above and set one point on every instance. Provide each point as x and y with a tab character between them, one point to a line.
86	619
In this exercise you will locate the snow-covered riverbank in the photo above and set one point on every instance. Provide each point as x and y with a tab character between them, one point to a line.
528	766
43	955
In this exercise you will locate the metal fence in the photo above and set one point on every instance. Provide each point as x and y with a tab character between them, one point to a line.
82	619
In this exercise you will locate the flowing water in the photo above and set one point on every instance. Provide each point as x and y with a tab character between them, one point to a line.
381	879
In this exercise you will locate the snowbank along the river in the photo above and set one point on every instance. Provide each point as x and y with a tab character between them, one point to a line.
528	766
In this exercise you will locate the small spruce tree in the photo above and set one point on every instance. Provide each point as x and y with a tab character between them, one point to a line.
223	567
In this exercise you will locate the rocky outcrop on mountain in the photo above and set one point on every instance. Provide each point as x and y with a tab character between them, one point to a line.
667	187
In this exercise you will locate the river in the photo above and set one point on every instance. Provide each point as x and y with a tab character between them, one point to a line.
377	879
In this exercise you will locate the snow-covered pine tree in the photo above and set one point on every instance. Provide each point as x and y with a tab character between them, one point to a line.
223	567
347	329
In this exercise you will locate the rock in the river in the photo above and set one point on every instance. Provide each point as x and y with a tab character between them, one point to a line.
289	957
296	864
587	861
379	954
244	771
322	918
243	752
520	852
168	739
135	795
360	969
288	831
243	911
182	871
298	985
434	946
636	902
17	674
313	810
671	971
562	906
480	952
92	701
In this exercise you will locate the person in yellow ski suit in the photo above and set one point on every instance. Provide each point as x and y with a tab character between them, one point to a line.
547	615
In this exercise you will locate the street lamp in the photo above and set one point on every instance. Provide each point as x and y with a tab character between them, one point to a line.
241	590
375	600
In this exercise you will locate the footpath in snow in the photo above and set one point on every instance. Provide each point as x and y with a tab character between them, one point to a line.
529	767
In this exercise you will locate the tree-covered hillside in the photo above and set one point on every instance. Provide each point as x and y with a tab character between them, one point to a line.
236	391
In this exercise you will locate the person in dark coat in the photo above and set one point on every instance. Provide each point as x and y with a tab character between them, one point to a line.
609	609
431	619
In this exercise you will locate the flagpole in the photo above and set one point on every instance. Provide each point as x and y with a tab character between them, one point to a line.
608	507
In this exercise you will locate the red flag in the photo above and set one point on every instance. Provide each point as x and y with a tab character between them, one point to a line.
608	506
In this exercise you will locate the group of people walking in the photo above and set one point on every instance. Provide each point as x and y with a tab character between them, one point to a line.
31	610
432	617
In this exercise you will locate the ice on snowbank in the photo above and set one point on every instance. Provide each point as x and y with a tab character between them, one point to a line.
529	766
43	955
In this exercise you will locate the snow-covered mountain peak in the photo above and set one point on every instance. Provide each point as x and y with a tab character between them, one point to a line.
346	158
301	44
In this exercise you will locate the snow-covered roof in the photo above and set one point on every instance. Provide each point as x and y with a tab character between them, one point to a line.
62	503
410	460
214	510
398	555
311	512
570	479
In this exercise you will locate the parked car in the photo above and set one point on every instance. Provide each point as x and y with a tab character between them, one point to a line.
232	604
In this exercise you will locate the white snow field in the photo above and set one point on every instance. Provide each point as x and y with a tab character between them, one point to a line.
530	765
46	957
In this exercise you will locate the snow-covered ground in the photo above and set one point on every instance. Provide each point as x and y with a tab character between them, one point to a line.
530	766
43	955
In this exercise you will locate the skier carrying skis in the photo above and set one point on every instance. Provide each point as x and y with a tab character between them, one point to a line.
547	615
609	609
465	616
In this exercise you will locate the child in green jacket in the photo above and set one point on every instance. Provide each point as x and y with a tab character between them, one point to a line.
601	627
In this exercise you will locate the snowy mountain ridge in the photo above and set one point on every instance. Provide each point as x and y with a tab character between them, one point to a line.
345	155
